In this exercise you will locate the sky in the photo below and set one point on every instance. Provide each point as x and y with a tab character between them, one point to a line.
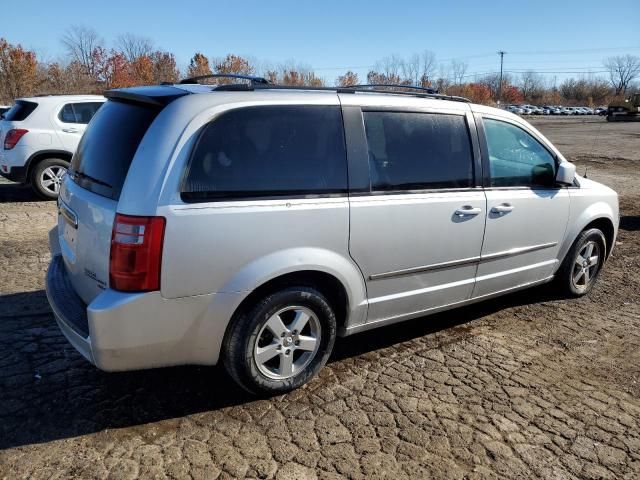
557	38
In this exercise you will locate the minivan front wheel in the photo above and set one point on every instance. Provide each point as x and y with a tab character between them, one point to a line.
46	178
581	266
282	342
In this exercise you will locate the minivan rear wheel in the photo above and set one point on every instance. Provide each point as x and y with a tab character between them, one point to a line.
281	342
581	267
46	178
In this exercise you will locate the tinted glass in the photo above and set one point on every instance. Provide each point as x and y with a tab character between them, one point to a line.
269	151
20	111
78	112
516	158
67	115
104	154
411	151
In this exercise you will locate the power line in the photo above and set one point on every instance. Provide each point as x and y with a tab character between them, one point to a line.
560	52
486	55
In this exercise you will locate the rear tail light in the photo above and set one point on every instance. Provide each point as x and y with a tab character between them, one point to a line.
13	136
136	253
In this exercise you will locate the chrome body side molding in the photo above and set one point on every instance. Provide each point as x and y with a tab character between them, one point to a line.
464	261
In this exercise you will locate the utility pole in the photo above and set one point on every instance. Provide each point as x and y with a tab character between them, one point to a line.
501	53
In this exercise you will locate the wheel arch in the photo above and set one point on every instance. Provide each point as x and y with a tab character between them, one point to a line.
602	220
41	155
605	225
327	284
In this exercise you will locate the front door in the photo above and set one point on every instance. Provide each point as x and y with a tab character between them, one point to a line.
416	231
527	213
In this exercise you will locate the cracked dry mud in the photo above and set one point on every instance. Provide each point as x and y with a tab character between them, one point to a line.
525	386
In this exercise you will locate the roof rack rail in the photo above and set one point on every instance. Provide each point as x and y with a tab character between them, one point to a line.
352	89
393	85
253	80
259	83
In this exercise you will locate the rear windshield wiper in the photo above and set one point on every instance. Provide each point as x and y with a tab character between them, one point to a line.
90	178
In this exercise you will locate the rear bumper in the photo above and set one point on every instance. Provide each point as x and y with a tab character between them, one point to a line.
15	174
68	309
131	331
13	163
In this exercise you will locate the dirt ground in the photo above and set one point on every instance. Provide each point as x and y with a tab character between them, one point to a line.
526	386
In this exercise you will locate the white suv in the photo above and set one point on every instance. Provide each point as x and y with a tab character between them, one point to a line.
38	136
252	224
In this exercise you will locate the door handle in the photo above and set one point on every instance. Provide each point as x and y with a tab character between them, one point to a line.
468	210
70	130
502	209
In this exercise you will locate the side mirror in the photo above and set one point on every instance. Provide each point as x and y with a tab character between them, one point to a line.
566	173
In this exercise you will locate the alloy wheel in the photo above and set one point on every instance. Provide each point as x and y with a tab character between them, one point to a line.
287	342
51	178
586	265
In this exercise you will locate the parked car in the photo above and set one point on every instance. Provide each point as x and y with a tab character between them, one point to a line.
4	109
566	111
515	109
529	109
251	225
600	111
39	136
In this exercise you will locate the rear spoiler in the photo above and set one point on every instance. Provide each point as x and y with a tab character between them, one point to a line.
156	96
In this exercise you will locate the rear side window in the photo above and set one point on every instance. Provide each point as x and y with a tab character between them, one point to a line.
20	111
78	112
106	150
413	151
268	151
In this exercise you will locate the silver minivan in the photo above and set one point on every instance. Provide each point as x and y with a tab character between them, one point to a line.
250	224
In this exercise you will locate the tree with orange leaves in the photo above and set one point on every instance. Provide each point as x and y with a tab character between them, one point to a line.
142	70
347	80
199	65
116	71
164	67
235	65
18	71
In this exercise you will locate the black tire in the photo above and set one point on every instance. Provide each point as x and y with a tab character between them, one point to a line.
37	177
570	268
249	327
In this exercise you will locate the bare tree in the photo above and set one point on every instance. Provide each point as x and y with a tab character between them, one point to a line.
623	69
458	71
531	85
81	44
390	67
418	69
492	81
134	46
410	69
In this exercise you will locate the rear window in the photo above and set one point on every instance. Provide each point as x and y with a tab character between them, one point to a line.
20	111
415	151
269	151
106	150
